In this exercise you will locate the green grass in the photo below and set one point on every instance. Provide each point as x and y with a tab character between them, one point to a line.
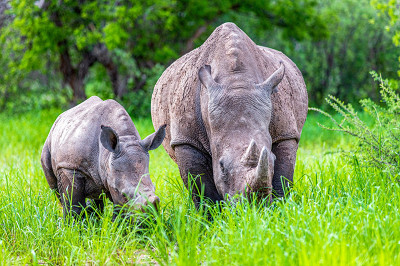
338	214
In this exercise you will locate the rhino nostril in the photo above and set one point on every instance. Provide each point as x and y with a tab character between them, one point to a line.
156	200
125	197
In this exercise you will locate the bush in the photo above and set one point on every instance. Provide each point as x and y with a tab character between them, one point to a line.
98	83
138	103
339	64
379	144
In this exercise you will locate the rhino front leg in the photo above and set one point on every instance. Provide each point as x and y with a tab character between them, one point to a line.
191	160
71	186
95	206
285	152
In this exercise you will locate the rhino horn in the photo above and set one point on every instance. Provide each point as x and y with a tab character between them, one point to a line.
251	155
263	178
262	167
272	82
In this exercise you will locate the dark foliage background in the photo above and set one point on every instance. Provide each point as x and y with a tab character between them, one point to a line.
58	53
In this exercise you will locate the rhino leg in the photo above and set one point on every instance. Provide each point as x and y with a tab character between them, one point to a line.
285	152
71	185
48	169
199	166
95	206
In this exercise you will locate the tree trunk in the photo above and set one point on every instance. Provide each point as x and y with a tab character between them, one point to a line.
78	90
73	76
103	56
118	83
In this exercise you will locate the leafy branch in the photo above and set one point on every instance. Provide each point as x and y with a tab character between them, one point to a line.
379	144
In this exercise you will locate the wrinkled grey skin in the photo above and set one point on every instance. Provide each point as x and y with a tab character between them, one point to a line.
236	111
95	148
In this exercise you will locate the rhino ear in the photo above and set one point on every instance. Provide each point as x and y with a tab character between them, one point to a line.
206	78
272	82
154	140
109	139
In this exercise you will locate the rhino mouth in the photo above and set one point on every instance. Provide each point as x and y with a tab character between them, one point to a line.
144	203
137	202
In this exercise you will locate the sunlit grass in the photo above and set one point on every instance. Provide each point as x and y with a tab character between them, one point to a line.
338	213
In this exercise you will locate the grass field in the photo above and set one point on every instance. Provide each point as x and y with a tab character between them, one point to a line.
339	213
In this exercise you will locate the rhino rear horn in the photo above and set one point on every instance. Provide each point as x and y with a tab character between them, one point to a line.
250	157
206	78
272	82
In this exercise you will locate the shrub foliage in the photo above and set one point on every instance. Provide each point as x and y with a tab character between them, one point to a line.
378	144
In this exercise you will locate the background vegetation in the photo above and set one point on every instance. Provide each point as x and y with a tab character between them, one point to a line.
55	53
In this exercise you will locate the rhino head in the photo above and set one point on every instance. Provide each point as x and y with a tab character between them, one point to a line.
239	115
126	167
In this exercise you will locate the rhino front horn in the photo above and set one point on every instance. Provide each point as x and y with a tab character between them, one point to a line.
263	165
263	178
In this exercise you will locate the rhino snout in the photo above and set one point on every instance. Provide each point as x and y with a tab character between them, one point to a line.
140	200
153	201
143	202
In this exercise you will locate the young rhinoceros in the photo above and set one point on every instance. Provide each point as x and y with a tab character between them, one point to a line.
226	122
95	148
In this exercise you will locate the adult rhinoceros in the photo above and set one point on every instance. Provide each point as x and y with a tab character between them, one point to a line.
235	112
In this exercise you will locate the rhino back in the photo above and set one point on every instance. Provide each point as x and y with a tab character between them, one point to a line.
74	138
180	101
